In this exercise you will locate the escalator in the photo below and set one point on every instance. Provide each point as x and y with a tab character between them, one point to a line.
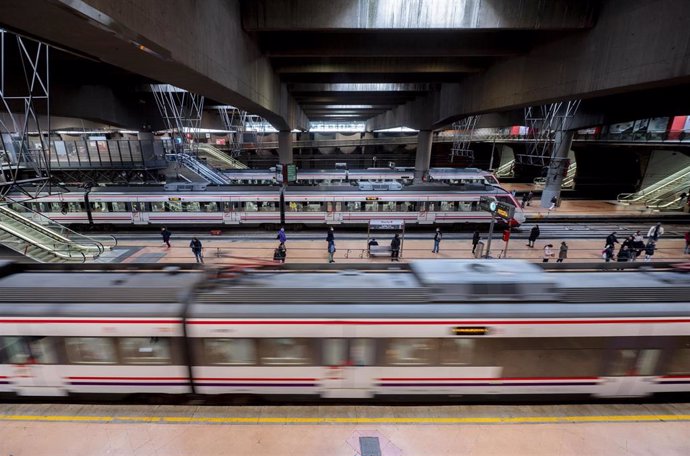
45	244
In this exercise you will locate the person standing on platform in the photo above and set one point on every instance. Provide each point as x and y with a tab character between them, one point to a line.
165	234
554	200
649	251
607	253
281	235
530	195
196	247
548	253
562	252
330	237
655	232
475	240
280	253
395	247
437	240
331	251
687	242
611	239
533	236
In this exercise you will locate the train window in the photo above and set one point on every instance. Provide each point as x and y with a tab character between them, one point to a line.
542	357
388	206
90	350
680	360
99	207
371	207
157	206
75	207
267	207
173	206
362	352
448	206
192	206
13	350
431	206
411	352
647	360
145	350
313	207
231	352
465	206
457	352
119	206
408	206
334	352
210	206
250	206
622	363
353	206
286	352
294	206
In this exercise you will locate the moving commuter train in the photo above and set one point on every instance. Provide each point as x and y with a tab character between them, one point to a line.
445	327
246	205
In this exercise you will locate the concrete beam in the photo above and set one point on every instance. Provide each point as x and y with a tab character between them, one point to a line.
272	15
207	52
635	45
378	65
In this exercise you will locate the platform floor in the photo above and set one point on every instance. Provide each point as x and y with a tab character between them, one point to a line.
314	251
94	430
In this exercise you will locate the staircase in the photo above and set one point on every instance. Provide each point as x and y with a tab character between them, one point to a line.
661	192
49	243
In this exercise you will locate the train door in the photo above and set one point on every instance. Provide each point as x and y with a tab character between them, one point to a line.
345	364
231	214
137	213
334	212
34	366
628	370
427	212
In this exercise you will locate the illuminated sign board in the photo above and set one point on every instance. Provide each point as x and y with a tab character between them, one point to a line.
470	331
174	198
372	198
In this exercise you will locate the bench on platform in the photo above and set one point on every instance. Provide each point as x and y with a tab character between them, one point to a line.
379	250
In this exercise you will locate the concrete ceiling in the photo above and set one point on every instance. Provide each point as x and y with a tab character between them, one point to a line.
355	60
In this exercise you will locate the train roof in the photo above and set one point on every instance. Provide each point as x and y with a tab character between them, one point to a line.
96	293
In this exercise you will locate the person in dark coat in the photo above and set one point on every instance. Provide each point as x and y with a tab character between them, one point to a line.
331	251
611	239
330	237
437	240
196	247
533	236
562	252
475	240
165	234
395	247
280	253
649	251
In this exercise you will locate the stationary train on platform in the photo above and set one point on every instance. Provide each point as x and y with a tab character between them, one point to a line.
443	328
178	204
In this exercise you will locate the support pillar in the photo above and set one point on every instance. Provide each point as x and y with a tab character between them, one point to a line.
285	147
557	167
423	158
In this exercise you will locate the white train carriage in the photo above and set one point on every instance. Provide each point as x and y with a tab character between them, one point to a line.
425	204
111	333
450	328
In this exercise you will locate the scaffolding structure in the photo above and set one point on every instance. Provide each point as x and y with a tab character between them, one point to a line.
462	138
543	123
24	105
182	112
234	121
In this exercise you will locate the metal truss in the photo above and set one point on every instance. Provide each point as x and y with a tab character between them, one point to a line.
24	98
462	140
234	121
543	122
94	177
182	112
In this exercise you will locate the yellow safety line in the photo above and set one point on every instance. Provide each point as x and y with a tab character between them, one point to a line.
345	420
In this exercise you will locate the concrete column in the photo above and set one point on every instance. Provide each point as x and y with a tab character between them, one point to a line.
285	147
557	168
423	158
145	136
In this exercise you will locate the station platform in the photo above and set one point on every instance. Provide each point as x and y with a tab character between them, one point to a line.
345	430
246	251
